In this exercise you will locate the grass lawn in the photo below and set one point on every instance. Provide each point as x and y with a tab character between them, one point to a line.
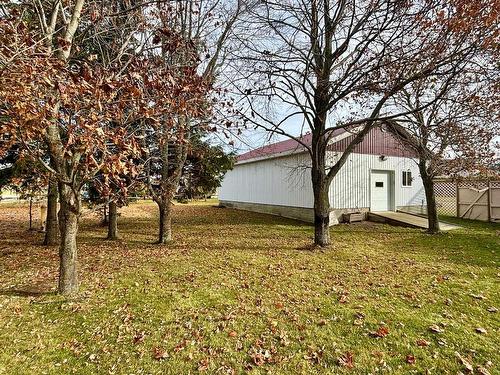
242	292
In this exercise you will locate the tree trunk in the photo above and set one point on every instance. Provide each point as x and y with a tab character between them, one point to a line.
319	144
432	216
321	209
68	225
113	221
105	219
51	219
165	233
31	213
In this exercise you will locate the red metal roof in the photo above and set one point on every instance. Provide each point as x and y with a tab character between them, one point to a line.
276	148
377	142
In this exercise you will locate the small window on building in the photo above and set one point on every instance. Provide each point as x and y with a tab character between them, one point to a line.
407	179
379	184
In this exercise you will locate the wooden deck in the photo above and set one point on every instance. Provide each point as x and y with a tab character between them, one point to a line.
406	220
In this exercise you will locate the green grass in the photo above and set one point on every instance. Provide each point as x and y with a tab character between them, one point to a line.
238	291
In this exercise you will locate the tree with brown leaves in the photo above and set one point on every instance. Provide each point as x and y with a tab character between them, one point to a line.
80	112
200	32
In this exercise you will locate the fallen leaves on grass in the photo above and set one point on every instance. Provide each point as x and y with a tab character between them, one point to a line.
481	330
180	346
139	337
203	364
74	345
464	362
260	356
283	337
343	298
359	318
442	342
359	315
346	360
422	342
159	353
410	359
227	288
382	331
314	355
477	296
232	334
482	370
436	329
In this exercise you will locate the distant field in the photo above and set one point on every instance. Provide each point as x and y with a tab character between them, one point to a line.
240	292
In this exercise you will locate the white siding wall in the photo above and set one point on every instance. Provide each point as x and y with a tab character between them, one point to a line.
281	181
286	181
351	187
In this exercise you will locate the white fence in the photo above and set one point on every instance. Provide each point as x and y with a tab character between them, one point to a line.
468	199
479	203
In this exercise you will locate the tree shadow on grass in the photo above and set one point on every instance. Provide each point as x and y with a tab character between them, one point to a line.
26	291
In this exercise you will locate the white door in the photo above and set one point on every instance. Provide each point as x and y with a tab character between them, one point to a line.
380	191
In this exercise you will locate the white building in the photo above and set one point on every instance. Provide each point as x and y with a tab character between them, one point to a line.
380	175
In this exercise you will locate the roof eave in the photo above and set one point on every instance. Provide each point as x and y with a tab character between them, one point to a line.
299	150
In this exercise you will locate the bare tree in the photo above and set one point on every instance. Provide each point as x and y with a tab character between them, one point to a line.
454	135
332	65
